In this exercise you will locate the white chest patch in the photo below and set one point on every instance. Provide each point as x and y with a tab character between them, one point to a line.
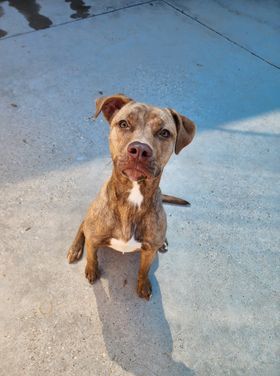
135	196
122	246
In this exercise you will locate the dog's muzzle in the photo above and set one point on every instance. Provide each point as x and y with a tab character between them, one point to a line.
139	162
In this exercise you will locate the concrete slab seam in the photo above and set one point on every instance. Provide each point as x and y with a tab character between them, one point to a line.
220	34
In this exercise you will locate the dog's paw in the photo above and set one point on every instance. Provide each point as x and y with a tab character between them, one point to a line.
92	274
144	289
74	254
164	247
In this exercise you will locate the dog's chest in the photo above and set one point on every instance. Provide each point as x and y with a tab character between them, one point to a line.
135	198
124	247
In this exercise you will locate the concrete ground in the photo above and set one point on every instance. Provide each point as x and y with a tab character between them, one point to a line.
215	304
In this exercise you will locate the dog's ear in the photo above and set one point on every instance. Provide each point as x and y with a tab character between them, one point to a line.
110	105
185	130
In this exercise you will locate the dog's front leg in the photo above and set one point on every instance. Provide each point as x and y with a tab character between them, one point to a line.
91	271
144	287
76	250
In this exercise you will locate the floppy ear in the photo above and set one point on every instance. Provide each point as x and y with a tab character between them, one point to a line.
110	105
185	130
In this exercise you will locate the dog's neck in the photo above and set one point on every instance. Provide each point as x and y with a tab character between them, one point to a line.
121	186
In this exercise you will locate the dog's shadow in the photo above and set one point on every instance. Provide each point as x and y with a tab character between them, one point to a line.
136	333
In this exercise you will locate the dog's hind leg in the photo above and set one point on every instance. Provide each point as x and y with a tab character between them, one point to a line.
164	247
76	250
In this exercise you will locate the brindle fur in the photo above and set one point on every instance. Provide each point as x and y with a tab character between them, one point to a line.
112	215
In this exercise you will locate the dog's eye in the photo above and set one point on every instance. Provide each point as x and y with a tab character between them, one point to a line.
164	133
123	124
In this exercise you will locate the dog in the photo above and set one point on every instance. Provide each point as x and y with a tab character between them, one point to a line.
128	214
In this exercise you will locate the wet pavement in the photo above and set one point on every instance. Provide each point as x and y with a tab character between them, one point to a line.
215	304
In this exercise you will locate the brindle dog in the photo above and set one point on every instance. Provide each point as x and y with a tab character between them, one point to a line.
128	214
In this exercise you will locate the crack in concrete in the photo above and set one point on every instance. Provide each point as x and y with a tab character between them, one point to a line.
220	34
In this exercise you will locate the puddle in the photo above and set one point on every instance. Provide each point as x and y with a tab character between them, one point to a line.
82	10
2	33
30	9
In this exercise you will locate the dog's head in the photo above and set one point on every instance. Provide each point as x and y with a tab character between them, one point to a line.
143	137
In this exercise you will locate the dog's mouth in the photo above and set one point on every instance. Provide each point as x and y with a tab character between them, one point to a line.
136	170
135	174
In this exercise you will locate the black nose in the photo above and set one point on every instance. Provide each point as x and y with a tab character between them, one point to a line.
139	151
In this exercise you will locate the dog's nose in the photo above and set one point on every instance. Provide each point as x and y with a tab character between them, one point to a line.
138	150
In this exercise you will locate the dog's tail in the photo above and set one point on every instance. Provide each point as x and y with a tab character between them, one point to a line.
174	200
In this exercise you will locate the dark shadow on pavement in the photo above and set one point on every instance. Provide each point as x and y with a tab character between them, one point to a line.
136	333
